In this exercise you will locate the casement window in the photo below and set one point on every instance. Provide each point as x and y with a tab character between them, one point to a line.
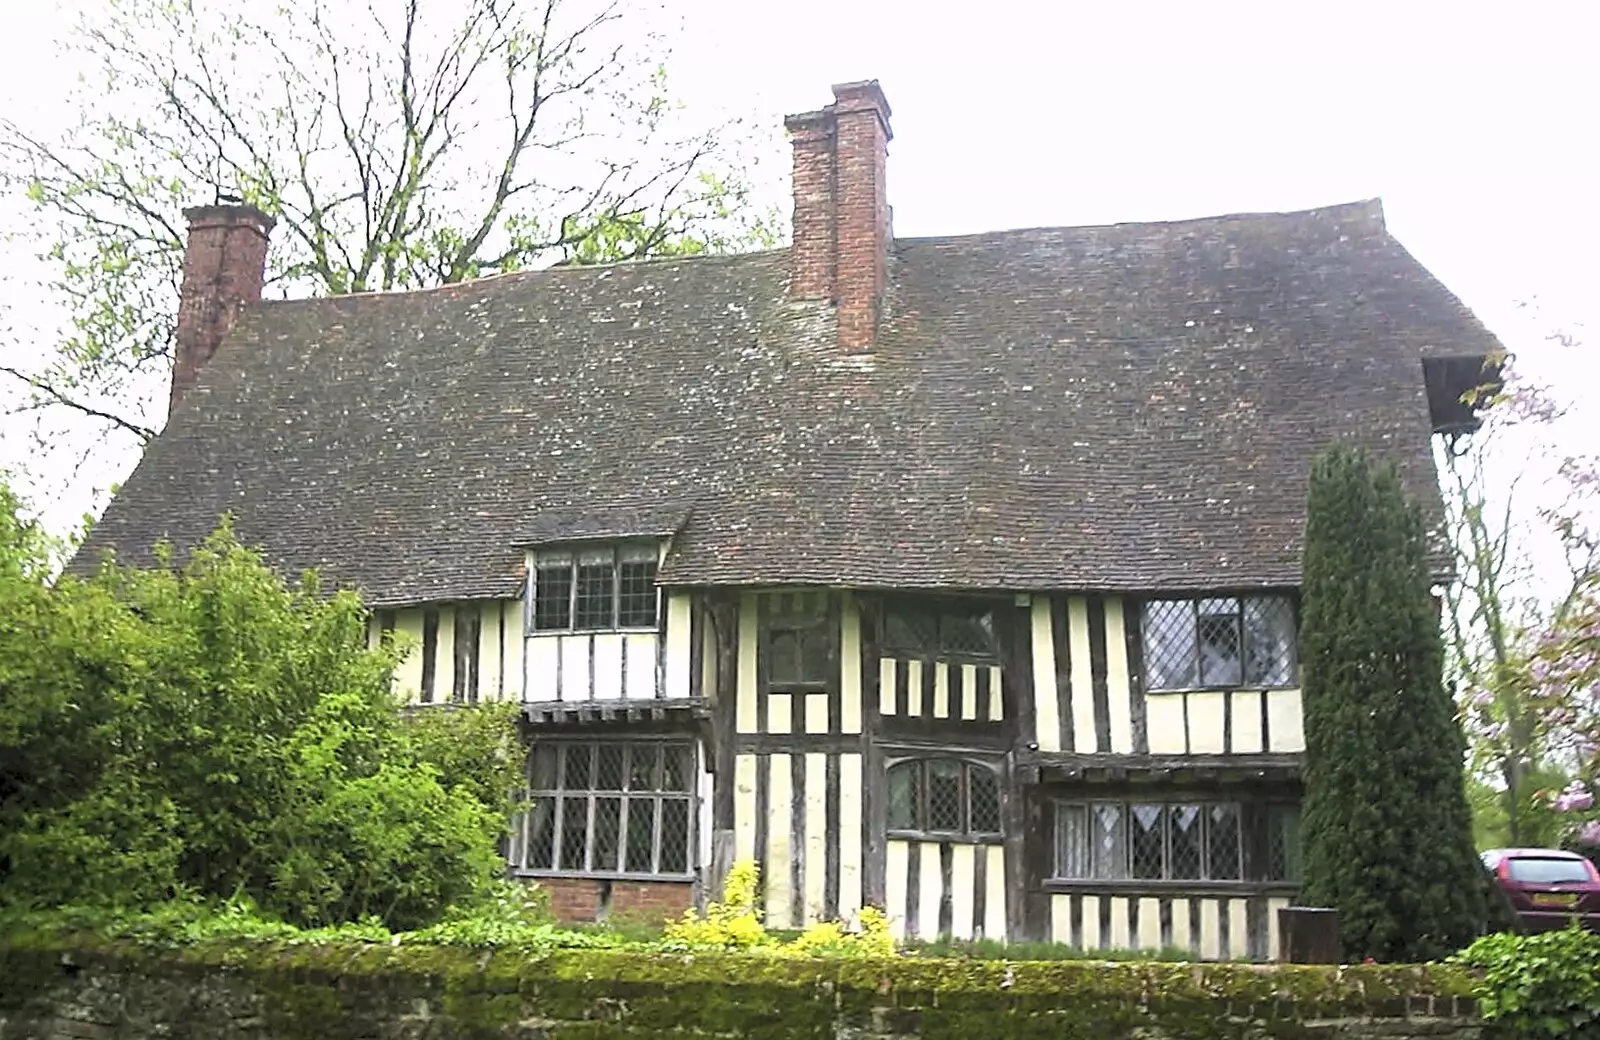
1219	642
1148	841
798	656
585	590
797	650
943	630
944	796
615	808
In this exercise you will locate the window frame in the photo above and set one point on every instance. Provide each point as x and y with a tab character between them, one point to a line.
559	795
921	764
1289	602
940	612
573	557
1129	877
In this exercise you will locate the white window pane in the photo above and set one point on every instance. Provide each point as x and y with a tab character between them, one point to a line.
1169	645
1221	653
1110	838
1072	841
1269	641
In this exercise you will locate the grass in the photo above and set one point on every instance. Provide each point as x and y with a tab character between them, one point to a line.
995	950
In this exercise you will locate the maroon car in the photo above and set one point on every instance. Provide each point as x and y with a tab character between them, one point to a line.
1547	888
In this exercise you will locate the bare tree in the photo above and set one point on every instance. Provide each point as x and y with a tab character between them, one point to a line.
399	144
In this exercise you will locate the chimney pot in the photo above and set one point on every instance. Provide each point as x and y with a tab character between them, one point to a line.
841	216
224	267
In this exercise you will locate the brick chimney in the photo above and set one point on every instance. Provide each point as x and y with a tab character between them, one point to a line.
224	265
841	216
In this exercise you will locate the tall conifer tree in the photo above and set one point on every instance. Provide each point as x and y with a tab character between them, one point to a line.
1387	831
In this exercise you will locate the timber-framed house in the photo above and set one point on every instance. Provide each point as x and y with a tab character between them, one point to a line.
955	576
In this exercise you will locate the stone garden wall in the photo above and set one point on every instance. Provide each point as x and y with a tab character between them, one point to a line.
95	990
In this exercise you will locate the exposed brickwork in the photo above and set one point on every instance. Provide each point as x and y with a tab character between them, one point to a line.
811	255
581	900
224	265
862	138
841	211
649	900
572	900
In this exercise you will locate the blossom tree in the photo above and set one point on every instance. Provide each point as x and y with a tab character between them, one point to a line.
1523	648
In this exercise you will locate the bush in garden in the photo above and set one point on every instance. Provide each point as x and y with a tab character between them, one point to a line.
210	730
1543	985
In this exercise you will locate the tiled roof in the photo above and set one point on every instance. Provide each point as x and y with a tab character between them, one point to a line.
1129	407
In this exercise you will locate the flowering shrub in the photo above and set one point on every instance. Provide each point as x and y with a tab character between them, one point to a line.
734	923
828	938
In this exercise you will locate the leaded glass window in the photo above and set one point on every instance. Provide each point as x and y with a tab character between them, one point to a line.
798	655
1283	842
609	808
939	630
1148	841
944	796
1218	642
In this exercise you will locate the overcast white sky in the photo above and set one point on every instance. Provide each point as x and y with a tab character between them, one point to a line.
1473	122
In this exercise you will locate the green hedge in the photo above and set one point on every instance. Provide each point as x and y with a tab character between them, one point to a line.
333	992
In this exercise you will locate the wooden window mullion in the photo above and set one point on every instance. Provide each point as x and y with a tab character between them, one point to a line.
559	824
655	850
572	594
616	588
1199	651
622	824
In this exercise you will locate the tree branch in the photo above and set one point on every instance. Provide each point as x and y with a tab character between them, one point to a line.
144	433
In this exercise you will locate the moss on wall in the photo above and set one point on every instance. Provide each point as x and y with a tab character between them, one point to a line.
338	991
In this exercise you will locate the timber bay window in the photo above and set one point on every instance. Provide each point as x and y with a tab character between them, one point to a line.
940	630
610	808
1224	641
944	796
586	590
1151	841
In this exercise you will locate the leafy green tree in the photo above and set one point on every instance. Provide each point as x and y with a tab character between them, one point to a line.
210	730
401	144
1387	831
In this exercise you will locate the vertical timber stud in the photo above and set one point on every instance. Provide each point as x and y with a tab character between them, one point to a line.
430	650
1024	917
1097	673
697	649
1133	632
722	610
830	839
875	801
1062	636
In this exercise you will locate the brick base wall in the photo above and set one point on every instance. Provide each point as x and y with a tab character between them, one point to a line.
583	900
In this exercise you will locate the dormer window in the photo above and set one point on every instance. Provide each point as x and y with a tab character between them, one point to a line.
595	589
